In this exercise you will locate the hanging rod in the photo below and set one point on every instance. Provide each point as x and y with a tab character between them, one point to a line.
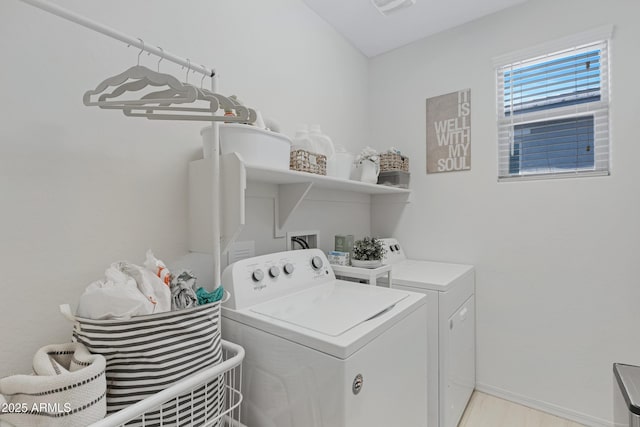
108	31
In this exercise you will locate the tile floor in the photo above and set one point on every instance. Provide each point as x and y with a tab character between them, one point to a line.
484	410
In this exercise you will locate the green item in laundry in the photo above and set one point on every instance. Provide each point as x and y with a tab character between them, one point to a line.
205	297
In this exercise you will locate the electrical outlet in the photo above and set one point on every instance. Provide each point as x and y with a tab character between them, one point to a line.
302	239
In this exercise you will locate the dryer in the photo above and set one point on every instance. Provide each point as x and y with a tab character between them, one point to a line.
450	329
321	352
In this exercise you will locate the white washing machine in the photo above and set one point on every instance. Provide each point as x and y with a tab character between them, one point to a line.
321	351
451	358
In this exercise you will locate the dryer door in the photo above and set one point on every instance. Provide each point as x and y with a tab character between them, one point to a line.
460	363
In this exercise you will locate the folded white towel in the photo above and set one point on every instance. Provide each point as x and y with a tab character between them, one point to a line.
67	389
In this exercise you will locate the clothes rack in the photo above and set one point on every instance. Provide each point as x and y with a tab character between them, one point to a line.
213	141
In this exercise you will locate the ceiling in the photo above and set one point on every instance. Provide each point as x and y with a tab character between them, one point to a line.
373	33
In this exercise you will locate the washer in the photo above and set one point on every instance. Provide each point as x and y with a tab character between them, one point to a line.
451	359
321	351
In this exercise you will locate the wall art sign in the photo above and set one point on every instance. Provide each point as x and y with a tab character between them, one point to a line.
449	132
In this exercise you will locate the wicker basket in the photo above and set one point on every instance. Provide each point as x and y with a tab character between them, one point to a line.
305	161
393	162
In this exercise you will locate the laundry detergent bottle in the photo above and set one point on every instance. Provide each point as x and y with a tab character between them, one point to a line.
322	143
302	140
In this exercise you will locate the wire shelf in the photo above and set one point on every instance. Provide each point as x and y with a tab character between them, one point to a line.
179	398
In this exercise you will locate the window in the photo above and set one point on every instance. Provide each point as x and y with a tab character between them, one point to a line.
553	112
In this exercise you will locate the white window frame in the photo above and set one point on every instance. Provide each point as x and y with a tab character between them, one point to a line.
599	109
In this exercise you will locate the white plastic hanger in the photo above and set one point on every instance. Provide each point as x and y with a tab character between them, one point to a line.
149	110
242	113
142	77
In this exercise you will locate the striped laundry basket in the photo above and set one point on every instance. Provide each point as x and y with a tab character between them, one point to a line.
147	354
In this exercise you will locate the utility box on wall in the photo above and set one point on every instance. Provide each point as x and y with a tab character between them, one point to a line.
302	239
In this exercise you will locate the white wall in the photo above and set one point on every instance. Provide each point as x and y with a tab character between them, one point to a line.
326	211
82	187
557	282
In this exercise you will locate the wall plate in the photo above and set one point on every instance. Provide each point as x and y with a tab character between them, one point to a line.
311	237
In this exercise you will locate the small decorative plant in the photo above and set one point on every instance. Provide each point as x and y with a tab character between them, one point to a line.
369	154
368	249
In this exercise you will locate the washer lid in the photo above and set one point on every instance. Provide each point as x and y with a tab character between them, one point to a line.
330	309
438	276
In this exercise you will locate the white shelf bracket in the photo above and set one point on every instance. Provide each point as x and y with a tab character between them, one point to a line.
289	198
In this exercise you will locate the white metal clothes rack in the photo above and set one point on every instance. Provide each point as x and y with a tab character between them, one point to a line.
213	141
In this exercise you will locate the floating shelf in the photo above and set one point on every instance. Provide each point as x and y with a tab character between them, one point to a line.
279	176
293	187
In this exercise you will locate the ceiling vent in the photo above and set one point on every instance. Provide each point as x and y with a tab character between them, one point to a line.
387	7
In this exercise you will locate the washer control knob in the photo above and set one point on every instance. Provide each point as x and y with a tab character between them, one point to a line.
274	271
257	275
397	247
316	263
391	248
288	268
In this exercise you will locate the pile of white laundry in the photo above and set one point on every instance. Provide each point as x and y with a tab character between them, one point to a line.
129	290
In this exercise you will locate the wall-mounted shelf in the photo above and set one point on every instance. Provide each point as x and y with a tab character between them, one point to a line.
279	176
293	186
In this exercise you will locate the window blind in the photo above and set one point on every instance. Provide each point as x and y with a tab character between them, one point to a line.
553	114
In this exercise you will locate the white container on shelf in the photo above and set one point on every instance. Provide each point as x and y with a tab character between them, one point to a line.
369	171
341	164
257	147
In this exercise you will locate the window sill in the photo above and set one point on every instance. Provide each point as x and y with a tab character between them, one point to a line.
552	175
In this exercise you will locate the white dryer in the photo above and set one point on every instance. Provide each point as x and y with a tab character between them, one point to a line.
450	291
322	352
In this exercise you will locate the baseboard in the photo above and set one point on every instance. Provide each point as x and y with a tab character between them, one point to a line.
547	407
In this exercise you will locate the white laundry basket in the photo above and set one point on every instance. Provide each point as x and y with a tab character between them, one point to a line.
67	389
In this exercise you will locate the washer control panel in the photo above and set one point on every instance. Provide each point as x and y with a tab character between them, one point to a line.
274	271
257	275
254	280
316	263
394	252
288	268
